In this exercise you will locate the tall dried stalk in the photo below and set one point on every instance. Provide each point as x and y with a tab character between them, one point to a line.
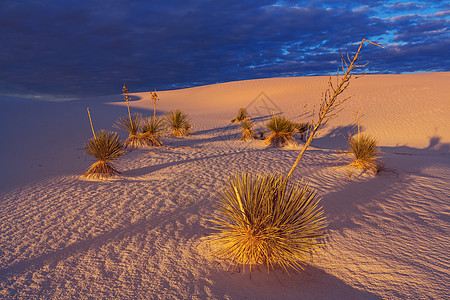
90	120
330	102
155	99
127	97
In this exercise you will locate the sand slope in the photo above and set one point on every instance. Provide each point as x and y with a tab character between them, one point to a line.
141	236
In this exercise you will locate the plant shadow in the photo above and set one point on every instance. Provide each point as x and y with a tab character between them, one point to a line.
345	206
311	283
336	138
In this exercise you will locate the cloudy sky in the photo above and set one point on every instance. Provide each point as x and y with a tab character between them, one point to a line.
91	47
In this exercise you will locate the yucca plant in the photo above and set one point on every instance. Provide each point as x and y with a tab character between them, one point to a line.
365	152
151	130
266	220
247	131
241	116
178	122
106	147
302	128
132	125
282	131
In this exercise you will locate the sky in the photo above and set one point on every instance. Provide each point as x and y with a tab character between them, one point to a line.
74	48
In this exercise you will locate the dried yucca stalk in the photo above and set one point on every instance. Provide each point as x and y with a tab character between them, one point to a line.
265	220
330	101
155	99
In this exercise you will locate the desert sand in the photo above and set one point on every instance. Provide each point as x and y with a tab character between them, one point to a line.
142	236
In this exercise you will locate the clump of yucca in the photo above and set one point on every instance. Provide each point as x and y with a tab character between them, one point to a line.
282	131
132	125
241	116
106	147
151	130
178	122
302	128
266	220
247	131
365	152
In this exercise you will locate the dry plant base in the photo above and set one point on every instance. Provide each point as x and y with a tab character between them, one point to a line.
151	140
247	132
366	165
248	135
179	132
101	171
135	141
277	140
372	167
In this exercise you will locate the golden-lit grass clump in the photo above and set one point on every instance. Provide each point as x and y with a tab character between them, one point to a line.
178	122
106	147
365	152
247	130
132	125
282	131
151	131
264	220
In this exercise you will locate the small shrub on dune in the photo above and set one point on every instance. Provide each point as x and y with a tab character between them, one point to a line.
302	128
106	147
365	152
282	131
178	122
241	116
151	130
265	220
262	134
247	131
132	125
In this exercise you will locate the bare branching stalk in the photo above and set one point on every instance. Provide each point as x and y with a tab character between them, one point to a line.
304	112
90	120
330	102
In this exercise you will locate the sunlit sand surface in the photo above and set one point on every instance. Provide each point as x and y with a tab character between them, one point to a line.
141	236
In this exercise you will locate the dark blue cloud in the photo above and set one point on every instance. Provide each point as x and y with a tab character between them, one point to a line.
91	47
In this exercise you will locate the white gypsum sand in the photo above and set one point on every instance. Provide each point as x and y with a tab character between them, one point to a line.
141	236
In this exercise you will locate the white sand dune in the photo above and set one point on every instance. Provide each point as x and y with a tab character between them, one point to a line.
142	236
